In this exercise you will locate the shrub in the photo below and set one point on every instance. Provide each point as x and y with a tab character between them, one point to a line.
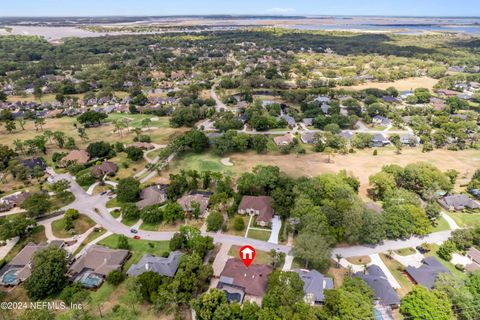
116	277
238	223
85	179
446	249
214	221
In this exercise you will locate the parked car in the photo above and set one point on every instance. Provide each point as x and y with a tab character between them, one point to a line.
133	230
136	237
103	193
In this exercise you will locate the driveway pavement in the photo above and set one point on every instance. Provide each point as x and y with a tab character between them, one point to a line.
453	225
6	248
379	262
221	259
276	225
414	260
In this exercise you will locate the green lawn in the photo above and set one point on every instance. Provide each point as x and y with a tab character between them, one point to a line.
138	248
261	257
397	270
113	203
80	225
442	225
201	162
405	251
447	264
92	236
129	222
259	234
234	232
465	219
136	119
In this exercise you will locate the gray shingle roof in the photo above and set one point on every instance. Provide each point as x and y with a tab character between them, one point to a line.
376	279
163	266
314	283
427	273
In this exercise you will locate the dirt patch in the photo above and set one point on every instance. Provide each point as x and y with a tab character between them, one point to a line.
226	162
404	84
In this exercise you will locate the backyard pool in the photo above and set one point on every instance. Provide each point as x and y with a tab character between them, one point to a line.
90	280
10	277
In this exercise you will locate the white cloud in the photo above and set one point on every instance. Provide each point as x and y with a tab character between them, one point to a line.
280	10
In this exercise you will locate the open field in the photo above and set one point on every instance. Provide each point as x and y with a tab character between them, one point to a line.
361	164
404	84
466	219
80	225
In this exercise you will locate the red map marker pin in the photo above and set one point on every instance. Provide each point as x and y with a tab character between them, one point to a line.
247	254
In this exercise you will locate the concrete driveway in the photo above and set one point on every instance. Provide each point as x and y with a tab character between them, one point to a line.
276	226
414	260
6	248
379	262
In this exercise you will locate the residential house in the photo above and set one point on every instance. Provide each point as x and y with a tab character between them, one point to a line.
166	267
290	120
325	108
307	121
438	104
381	121
427	273
390	99
13	201
284	140
261	206
20	268
458	202
34	164
474	255
75	156
379	140
57	113
106	168
155	194
384	293
322	99
346	134
240	282
409	139
314	284
309	137
202	198
446	92
95	264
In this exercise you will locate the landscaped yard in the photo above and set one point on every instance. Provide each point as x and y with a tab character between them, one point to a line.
137	247
405	251
136	120
231	230
201	162
259	234
361	260
465	219
397	270
80	225
171	227
448	265
92	236
261	257
37	235
442	225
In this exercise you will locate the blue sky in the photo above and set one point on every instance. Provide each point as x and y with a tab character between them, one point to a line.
258	7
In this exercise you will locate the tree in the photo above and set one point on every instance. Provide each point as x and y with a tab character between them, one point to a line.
49	267
39	123
128	190
6	154
100	149
152	214
259	143
208	303
10	126
446	249
37	204
61	189
122	242
134	153
130	212
146	123
116	277
59	138
15	227
421	304
238	223
173	211
313	249
82	133
214	221
381	183
91	118
283	289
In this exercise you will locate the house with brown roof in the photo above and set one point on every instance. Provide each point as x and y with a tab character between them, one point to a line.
240	282
187	201
54	113
260	206
95	264
106	168
474	255
75	156
155	194
13	200
20	268
283	140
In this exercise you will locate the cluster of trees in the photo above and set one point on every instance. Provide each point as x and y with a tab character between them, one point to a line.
460	240
233	141
18	226
260	119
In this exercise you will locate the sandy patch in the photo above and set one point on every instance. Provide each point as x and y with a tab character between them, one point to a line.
226	162
404	84
459	259
155	119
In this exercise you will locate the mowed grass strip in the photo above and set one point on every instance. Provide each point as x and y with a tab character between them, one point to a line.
80	225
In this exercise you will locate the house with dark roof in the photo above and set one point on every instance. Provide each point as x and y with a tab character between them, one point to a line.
240	282
409	139
381	121
458	202
308	121
155	194
13	200
346	134
309	137
379	140
385	294
202	198
34	163
106	168
427	273
166	267
474	255
314	284
261	206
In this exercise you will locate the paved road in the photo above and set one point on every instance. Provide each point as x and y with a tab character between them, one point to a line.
219	104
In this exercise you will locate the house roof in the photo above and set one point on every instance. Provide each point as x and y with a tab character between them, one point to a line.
25	255
314	283
459	202
200	198
263	204
308	137
78	156
253	279
427	273
34	162
153	195
283	140
376	279
163	266
106	167
100	260
474	254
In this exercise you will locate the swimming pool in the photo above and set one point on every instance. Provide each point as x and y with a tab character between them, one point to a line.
90	280
10	277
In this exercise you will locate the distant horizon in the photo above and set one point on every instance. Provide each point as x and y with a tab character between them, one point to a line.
279	8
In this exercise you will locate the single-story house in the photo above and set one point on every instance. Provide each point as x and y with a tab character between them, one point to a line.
283	140
75	156
201	198
95	264
322	99
458	202
34	163
379	140
390	99
290	120
385	294
155	194
448	93
427	273
54	113
409	139
261	206
381	121
314	284
166	267
240	282
309	137
142	145
346	134
20	268
308	121
13	200
106	168
474	255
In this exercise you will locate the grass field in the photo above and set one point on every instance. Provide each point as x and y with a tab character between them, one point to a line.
259	234
136	120
80	225
361	164
171	227
137	247
465	219
404	84
261	257
361	260
397	270
405	251
442	225
234	232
